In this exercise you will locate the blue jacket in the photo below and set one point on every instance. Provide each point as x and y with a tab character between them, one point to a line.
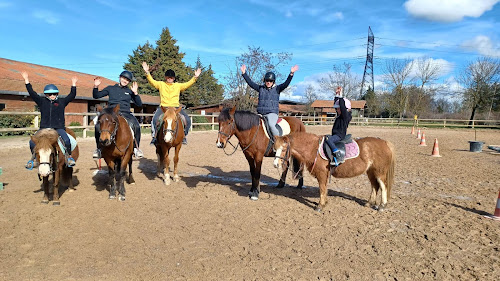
269	99
51	111
118	95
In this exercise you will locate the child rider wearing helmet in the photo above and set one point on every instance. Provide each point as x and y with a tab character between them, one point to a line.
269	95
52	113
343	108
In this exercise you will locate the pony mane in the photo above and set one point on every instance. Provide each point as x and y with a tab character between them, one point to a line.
109	110
307	144
46	138
244	120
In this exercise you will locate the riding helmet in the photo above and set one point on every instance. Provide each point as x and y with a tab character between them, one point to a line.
127	74
50	89
170	73
270	76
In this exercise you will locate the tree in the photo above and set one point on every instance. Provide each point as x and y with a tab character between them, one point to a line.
258	62
309	97
426	73
479	80
397	74
341	76
166	55
373	104
206	90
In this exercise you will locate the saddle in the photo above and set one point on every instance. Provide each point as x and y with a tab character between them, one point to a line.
60	142
283	130
348	149
160	123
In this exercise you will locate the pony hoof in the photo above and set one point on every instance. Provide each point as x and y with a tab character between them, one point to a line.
381	208
318	209
71	189
56	203
121	198
254	198
45	202
112	197
177	179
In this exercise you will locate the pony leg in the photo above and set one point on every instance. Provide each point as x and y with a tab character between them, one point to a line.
130	176
375	188
176	160
298	172
120	179
111	172
160	167
45	186
323	191
166	168
57	180
256	181
253	193
383	204
69	175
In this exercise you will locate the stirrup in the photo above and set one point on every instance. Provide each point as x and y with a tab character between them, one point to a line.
30	165
70	161
97	154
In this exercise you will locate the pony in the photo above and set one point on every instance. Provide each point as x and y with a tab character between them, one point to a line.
246	126
170	135
376	159
51	160
117	145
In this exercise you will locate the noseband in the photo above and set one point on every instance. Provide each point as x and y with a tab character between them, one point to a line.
174	132
112	137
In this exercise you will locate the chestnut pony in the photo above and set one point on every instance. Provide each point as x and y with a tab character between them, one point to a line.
170	135
376	159
116	143
246	126
52	160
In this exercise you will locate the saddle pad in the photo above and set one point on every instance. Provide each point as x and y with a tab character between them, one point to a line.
351	150
285	127
63	147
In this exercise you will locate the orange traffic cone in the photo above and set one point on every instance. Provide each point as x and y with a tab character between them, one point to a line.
435	149
418	134
413	130
496	216
422	140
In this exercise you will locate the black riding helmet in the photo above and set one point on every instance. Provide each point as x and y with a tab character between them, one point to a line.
270	76
170	73
127	74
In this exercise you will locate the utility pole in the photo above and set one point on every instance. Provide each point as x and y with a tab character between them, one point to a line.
368	73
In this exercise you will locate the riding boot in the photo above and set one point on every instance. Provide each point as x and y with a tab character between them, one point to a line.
70	162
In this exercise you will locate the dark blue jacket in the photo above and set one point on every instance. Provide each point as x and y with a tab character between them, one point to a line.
269	99
118	95
52	112
341	122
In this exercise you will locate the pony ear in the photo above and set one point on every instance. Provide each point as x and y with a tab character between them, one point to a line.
34	139
178	110
231	112
164	109
117	108
99	108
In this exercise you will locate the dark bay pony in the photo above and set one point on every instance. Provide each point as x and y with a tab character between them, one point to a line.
246	126
376	159
170	135
51	160
116	143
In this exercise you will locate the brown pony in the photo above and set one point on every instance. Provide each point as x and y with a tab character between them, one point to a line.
117	144
246	126
170	135
376	159
52	160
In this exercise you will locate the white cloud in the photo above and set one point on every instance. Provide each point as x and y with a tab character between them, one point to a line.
484	45
337	16
448	10
46	16
445	67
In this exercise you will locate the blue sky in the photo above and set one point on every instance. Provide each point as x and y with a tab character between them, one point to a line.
96	36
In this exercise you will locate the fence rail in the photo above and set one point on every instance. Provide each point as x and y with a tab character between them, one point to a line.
210	122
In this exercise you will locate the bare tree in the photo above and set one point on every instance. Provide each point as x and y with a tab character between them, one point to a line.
341	76
397	74
479	80
426	73
258	62
310	96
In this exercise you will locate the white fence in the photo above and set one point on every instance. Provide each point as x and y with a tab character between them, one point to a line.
307	120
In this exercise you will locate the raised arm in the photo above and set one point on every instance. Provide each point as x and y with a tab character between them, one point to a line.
135	97
247	78
72	94
34	96
150	79
288	79
184	86
96	94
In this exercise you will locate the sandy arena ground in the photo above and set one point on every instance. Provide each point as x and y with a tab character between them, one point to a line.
205	227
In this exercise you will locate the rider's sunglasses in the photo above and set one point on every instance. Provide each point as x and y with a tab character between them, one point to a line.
51	94
269	81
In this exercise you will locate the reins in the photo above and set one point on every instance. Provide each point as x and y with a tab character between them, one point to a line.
230	136
113	134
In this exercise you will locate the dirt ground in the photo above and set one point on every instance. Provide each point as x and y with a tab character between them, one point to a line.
205	227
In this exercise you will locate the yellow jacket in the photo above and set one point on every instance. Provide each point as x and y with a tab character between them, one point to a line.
170	92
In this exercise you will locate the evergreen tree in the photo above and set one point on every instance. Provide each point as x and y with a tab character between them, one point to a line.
166	55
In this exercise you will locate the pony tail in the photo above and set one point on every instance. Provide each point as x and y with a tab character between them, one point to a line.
390	172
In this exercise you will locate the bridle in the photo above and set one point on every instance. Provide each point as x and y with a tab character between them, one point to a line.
174	132
52	162
229	136
112	136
